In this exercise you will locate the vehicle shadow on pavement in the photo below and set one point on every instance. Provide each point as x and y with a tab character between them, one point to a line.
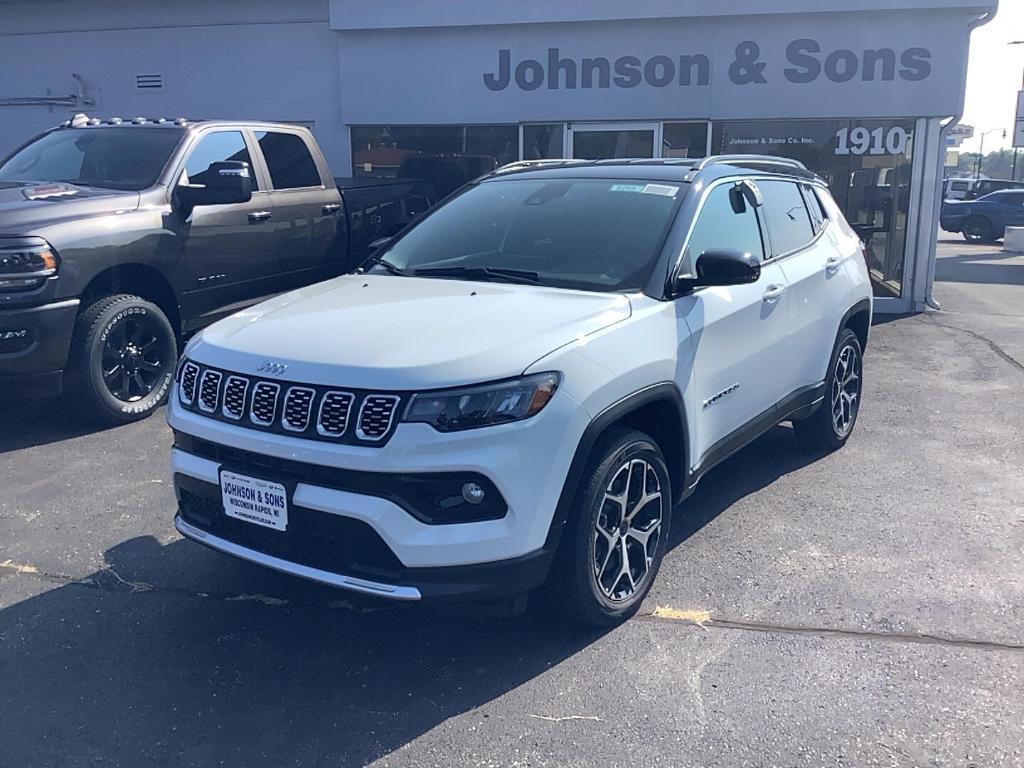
774	454
979	267
136	665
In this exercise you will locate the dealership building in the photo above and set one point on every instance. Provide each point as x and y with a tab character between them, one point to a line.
859	90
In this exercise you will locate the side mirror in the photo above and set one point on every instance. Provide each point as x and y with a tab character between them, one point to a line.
723	267
224	183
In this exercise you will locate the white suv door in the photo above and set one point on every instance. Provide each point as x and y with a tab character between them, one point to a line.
737	334
818	281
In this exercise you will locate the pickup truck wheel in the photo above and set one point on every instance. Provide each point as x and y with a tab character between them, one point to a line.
829	427
123	358
978	229
617	533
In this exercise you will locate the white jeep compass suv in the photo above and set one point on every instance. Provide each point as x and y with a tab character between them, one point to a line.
517	389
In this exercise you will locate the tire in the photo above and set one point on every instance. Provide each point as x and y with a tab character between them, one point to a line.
122	359
589	582
978	229
831	425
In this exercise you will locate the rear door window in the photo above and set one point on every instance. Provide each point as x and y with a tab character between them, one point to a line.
814	207
289	160
789	223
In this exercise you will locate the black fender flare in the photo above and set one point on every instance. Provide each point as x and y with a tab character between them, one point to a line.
664	391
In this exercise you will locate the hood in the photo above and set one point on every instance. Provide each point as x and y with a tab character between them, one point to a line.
25	206
406	333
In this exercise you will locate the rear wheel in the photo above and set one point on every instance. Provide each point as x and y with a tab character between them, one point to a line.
978	229
123	358
617	533
829	427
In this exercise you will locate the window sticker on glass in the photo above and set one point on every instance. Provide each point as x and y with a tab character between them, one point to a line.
626	188
660	189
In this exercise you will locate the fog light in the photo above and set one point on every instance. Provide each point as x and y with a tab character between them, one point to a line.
473	493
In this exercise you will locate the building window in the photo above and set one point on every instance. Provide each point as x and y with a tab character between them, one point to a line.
446	156
684	140
867	164
544	142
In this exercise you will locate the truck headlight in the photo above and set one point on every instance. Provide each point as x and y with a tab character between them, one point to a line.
451	410
24	267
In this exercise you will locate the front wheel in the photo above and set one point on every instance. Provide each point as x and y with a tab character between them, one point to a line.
829	427
618	531
123	359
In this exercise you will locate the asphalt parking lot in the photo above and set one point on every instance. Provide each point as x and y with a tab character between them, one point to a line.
862	609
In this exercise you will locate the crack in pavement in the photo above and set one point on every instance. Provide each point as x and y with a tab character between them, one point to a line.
661	616
928	319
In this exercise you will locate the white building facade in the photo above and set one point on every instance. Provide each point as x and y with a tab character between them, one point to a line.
860	90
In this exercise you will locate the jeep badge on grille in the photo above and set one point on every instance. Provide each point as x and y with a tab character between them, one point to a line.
276	369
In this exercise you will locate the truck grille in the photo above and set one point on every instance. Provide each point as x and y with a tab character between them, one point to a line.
299	410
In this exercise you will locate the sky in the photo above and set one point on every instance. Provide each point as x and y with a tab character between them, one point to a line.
994	76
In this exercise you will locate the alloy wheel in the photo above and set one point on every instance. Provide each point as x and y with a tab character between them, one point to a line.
846	383
628	530
133	361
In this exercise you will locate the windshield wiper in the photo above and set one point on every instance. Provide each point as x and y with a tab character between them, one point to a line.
523	276
393	269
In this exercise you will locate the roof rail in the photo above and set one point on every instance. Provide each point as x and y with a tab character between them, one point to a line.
522	165
764	159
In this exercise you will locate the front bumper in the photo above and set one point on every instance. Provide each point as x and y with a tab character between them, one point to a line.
34	346
369	543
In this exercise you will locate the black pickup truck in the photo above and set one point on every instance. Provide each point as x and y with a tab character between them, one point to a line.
119	238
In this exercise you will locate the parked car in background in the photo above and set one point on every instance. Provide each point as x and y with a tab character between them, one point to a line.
119	238
541	369
984	187
957	189
984	220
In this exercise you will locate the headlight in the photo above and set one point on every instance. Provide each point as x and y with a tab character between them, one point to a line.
452	410
24	267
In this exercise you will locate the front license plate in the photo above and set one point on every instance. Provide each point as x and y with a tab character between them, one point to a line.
255	501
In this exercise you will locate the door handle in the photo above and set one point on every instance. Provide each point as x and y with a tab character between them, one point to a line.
833	263
257	216
330	208
773	292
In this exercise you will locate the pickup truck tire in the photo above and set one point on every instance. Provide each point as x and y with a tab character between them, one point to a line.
615	540
122	359
829	427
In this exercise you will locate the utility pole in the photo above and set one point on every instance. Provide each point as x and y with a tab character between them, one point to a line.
1016	150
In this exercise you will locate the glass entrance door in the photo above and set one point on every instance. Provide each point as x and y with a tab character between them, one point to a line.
606	141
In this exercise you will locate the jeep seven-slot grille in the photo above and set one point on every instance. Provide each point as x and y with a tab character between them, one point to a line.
298	410
189	376
209	390
375	416
332	421
297	405
234	397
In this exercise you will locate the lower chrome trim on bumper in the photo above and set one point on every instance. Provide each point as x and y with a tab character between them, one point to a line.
390	591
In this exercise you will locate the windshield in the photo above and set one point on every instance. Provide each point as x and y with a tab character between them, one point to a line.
591	234
112	158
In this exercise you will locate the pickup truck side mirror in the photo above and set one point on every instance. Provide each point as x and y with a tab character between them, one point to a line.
224	183
723	267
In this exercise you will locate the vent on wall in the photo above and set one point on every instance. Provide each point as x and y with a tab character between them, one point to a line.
150	83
